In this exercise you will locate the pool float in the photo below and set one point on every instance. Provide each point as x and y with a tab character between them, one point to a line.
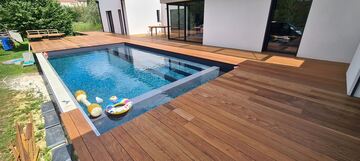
99	100
118	107
94	109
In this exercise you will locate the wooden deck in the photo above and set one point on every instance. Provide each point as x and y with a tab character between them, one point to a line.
278	108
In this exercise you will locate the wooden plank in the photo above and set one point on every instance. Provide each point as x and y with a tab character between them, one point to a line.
19	145
197	141
160	134
132	147
163	131
75	137
157	153
243	54
234	142
277	142
184	114
227	149
92	142
290	129
117	152
252	142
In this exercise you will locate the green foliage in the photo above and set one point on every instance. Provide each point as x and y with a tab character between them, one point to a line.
16	105
292	11
10	70
74	14
25	15
85	17
15	108
92	13
83	27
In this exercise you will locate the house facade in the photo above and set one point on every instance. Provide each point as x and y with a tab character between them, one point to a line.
128	17
326	29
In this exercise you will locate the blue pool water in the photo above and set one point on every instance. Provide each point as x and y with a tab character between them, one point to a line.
127	72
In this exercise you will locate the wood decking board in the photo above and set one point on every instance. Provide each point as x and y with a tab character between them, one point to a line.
136	152
261	110
243	54
75	138
116	151
92	142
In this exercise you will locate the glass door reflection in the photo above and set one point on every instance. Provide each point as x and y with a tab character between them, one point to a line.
176	15
185	20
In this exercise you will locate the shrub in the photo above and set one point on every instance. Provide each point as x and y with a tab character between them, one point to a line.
25	15
85	13
84	26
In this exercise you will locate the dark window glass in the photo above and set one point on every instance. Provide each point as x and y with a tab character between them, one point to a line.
158	15
286	25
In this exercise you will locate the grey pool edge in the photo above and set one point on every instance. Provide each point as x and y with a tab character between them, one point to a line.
67	102
169	86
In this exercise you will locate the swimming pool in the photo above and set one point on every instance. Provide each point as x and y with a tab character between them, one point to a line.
147	77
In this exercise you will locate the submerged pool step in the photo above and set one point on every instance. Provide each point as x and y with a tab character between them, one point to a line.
184	64
170	61
163	75
175	73
173	66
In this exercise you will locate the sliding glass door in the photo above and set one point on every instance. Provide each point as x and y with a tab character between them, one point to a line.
195	21
185	20
176	17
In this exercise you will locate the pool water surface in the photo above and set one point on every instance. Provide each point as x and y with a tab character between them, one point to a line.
144	76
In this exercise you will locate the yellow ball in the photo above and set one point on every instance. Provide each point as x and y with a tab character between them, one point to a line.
80	94
95	110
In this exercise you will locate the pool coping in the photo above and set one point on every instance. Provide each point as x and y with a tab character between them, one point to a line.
65	100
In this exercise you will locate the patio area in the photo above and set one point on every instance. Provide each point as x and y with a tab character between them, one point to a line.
270	107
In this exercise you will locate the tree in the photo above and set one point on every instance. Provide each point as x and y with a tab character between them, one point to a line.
25	15
85	13
293	11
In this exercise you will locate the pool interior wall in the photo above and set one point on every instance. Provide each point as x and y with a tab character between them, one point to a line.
155	97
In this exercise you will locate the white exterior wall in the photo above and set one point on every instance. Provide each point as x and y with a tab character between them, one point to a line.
139	14
113	6
353	73
163	15
238	24
332	31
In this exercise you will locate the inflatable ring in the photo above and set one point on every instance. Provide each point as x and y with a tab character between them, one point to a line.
119	108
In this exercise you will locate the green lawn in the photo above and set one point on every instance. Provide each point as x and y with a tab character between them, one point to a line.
82	27
11	70
16	105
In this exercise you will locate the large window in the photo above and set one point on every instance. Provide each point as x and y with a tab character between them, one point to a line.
185	20
110	21
286	25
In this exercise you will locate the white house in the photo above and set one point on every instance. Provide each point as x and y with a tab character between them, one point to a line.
330	29
128	16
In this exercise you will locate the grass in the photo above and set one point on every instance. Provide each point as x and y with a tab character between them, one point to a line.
83	26
11	70
16	105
